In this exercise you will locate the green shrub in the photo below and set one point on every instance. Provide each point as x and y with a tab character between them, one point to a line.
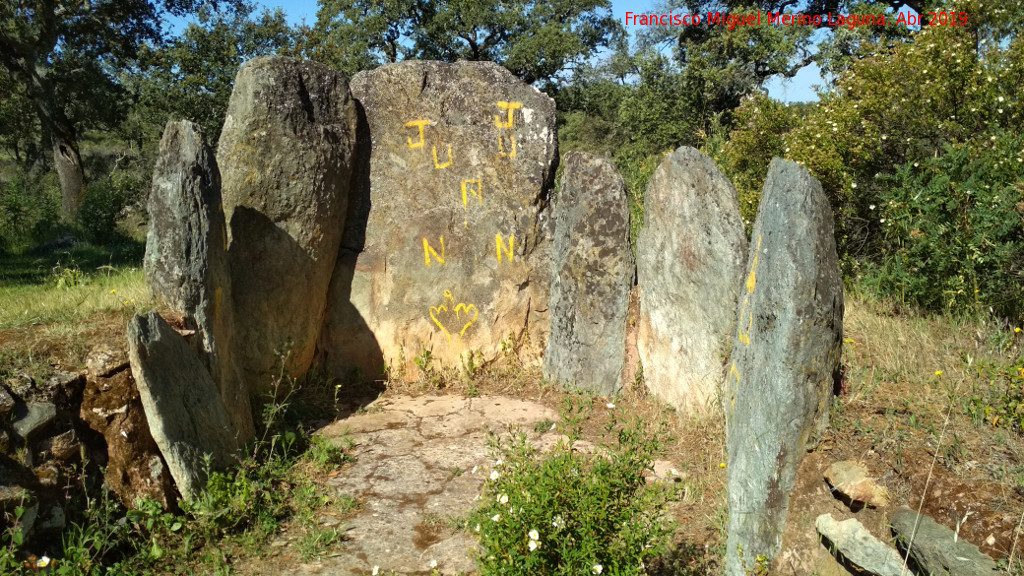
567	513
951	230
105	201
29	210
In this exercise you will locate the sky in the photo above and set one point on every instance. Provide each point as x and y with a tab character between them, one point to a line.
798	89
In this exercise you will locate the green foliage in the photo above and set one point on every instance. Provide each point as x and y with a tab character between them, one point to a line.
105	201
192	76
758	135
535	41
950	229
29	209
1000	403
568	513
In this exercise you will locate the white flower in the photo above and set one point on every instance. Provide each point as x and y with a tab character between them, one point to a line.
499	462
433	564
674	472
43	562
494	474
503	499
610	405
853	185
552	426
882	220
598	568
477	528
496	517
534	535
533	545
376	570
1000	98
558	522
871	207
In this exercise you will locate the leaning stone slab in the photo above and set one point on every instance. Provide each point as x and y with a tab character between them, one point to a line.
447	249
186	256
592	274
785	355
937	549
854	543
690	257
285	155
183	406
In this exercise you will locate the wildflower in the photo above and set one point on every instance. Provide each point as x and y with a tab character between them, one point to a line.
113	291
1016	330
503	499
477	528
598	568
848	340
498	462
533	545
433	564
43	562
552	426
494	474
610	405
558	522
871	207
534	535
674	472
853	185
496	517
376	570
721	464
938	372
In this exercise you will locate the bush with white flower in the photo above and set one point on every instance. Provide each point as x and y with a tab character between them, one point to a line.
539	517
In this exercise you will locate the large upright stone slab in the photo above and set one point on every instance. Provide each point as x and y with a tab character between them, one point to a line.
447	250
690	257
286	155
186	256
183	406
785	354
592	273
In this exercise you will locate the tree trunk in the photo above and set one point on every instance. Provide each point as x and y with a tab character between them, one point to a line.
68	163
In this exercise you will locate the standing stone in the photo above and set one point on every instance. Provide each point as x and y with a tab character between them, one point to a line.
186	256
690	257
785	355
285	154
449	249
592	272
183	407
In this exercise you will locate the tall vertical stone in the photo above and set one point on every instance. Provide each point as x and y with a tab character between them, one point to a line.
186	257
785	355
690	257
286	155
592	273
447	248
183	407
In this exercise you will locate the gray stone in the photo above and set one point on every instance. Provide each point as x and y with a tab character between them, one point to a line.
936	549
856	545
20	385
6	403
31	419
690	257
592	273
183	406
285	156
105	359
446	246
186	259
784	358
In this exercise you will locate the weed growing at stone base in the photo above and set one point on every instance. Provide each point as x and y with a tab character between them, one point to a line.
569	513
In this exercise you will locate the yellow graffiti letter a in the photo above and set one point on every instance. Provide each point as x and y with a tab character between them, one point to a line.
500	246
419	124
428	251
473	188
